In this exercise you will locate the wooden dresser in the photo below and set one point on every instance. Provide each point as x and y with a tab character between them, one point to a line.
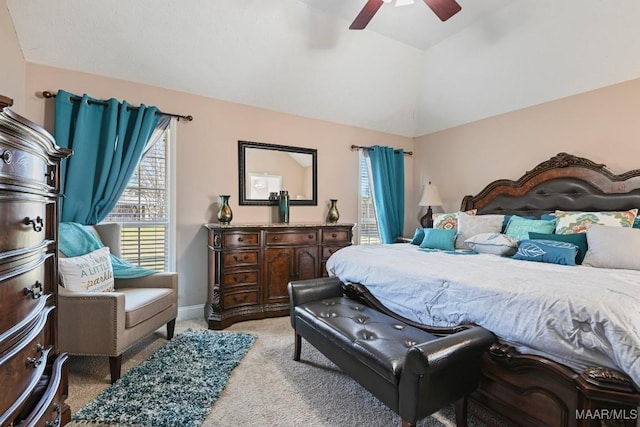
33	378
251	265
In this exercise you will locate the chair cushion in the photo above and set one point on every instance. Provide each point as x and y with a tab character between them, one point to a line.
141	304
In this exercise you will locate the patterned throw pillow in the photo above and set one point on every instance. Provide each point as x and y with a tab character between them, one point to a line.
493	243
550	251
449	221
92	272
576	222
578	239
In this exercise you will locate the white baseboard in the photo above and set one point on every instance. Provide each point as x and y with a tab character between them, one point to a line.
190	312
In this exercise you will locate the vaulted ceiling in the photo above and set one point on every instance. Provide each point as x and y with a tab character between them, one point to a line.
407	73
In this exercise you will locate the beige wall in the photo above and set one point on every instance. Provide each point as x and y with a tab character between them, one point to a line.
12	82
602	125
207	158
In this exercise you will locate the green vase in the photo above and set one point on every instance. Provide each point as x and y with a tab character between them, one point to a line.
224	213
333	215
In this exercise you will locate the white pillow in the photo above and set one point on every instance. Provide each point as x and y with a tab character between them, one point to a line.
87	273
470	225
493	243
612	247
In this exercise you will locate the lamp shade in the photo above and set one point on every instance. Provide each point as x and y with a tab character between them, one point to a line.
430	196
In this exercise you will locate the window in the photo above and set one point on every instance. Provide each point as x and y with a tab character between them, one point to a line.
368	224
144	210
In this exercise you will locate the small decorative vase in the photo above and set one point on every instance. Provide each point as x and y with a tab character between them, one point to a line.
283	206
333	216
224	213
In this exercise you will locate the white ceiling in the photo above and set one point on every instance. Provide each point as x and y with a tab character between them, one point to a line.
407	73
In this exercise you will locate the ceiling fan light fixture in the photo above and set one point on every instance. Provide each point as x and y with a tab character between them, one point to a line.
404	2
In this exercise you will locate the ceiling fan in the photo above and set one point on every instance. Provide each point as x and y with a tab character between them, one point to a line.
444	9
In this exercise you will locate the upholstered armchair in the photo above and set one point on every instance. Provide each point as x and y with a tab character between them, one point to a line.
108	323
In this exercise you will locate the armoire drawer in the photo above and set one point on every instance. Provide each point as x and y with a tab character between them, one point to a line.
24	292
23	364
23	222
48	410
19	166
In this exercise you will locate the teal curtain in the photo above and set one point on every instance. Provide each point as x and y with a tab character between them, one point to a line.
387	175
108	139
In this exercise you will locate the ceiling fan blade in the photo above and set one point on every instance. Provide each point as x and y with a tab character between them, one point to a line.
366	14
444	9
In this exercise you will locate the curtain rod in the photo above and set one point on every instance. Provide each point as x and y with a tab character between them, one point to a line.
48	94
359	147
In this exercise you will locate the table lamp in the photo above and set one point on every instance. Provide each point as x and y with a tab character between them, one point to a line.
430	197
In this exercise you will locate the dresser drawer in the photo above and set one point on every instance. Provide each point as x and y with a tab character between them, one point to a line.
23	222
291	238
48	410
23	166
241	278
236	299
24	292
23	364
336	236
240	259
241	239
327	251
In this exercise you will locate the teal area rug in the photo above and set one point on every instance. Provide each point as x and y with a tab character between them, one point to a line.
175	386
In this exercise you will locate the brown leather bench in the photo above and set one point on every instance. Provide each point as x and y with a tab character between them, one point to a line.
413	372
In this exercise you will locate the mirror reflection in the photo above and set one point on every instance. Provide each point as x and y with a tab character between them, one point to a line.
269	168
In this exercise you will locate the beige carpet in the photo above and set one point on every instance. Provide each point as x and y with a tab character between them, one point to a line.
268	388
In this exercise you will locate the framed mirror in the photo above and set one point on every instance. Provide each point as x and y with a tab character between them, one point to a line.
269	168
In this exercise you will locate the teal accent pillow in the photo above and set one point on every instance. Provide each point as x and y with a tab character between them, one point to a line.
519	227
578	239
439	239
549	251
636	222
418	236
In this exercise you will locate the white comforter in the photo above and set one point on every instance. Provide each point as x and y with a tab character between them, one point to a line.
578	316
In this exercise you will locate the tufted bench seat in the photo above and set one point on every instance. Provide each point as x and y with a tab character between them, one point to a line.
413	372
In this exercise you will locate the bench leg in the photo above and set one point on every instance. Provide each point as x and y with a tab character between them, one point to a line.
461	412
297	348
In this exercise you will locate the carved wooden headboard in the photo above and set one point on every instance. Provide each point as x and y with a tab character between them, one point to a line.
564	182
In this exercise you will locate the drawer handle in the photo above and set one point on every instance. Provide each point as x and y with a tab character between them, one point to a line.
7	157
36	291
238	259
241	280
35	223
51	175
56	421
274	238
310	236
334	235
238	300
32	361
331	251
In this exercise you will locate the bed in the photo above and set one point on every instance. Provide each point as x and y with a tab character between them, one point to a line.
568	348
